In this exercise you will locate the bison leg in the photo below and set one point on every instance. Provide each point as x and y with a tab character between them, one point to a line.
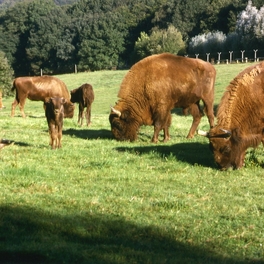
166	129
159	124
88	115
80	116
197	115
59	136
21	106
209	111
14	104
53	136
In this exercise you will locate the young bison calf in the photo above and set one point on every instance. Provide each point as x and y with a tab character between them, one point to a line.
54	111
84	96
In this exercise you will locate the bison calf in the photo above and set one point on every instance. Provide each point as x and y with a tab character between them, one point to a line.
84	96
54	111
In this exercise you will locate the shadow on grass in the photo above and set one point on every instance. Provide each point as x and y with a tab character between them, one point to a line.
88	133
192	153
22	144
31	236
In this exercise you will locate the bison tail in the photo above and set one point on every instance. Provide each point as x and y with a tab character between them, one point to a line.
13	87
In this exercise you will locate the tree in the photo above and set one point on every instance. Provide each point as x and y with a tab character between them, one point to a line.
45	30
250	27
159	41
210	42
6	75
100	34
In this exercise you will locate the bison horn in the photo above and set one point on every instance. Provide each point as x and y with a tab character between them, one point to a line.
115	111
226	131
202	133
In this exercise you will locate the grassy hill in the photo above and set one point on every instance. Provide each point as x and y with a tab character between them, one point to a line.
97	200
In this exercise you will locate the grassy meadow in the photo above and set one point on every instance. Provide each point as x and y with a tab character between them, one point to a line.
97	200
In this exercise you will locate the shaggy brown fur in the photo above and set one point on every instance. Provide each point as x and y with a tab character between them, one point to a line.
241	112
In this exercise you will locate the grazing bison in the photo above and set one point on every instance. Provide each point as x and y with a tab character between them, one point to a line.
38	89
240	119
54	111
84	95
156	85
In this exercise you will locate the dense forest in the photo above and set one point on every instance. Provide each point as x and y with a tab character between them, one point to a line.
56	36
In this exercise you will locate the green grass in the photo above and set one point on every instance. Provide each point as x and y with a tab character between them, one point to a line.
97	200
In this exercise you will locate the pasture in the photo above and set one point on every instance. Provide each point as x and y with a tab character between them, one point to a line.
97	200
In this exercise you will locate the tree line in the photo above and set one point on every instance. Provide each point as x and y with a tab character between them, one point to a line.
106	34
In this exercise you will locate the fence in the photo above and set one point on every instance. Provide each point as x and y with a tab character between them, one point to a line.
231	56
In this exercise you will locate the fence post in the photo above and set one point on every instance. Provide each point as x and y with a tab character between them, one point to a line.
255	56
75	68
196	56
207	55
219	57
230	54
242	55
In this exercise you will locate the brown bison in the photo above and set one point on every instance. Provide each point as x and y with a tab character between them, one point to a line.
38	89
156	85
54	111
240	119
84	95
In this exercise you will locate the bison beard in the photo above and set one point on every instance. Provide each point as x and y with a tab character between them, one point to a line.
54	111
156	85
240	119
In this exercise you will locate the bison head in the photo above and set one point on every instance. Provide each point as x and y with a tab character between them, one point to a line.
123	126
68	109
227	147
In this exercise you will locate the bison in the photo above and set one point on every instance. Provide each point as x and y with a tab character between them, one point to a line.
54	111
38	89
156	85
84	95
240	119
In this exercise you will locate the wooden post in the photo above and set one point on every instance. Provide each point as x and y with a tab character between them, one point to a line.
230	55
207	55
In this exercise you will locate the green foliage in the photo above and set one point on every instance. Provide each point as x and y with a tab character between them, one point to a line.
6	75
159	41
105	34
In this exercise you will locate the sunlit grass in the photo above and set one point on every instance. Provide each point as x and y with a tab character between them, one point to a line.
97	200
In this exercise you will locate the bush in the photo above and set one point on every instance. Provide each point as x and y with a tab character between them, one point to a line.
210	42
159	41
6	75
